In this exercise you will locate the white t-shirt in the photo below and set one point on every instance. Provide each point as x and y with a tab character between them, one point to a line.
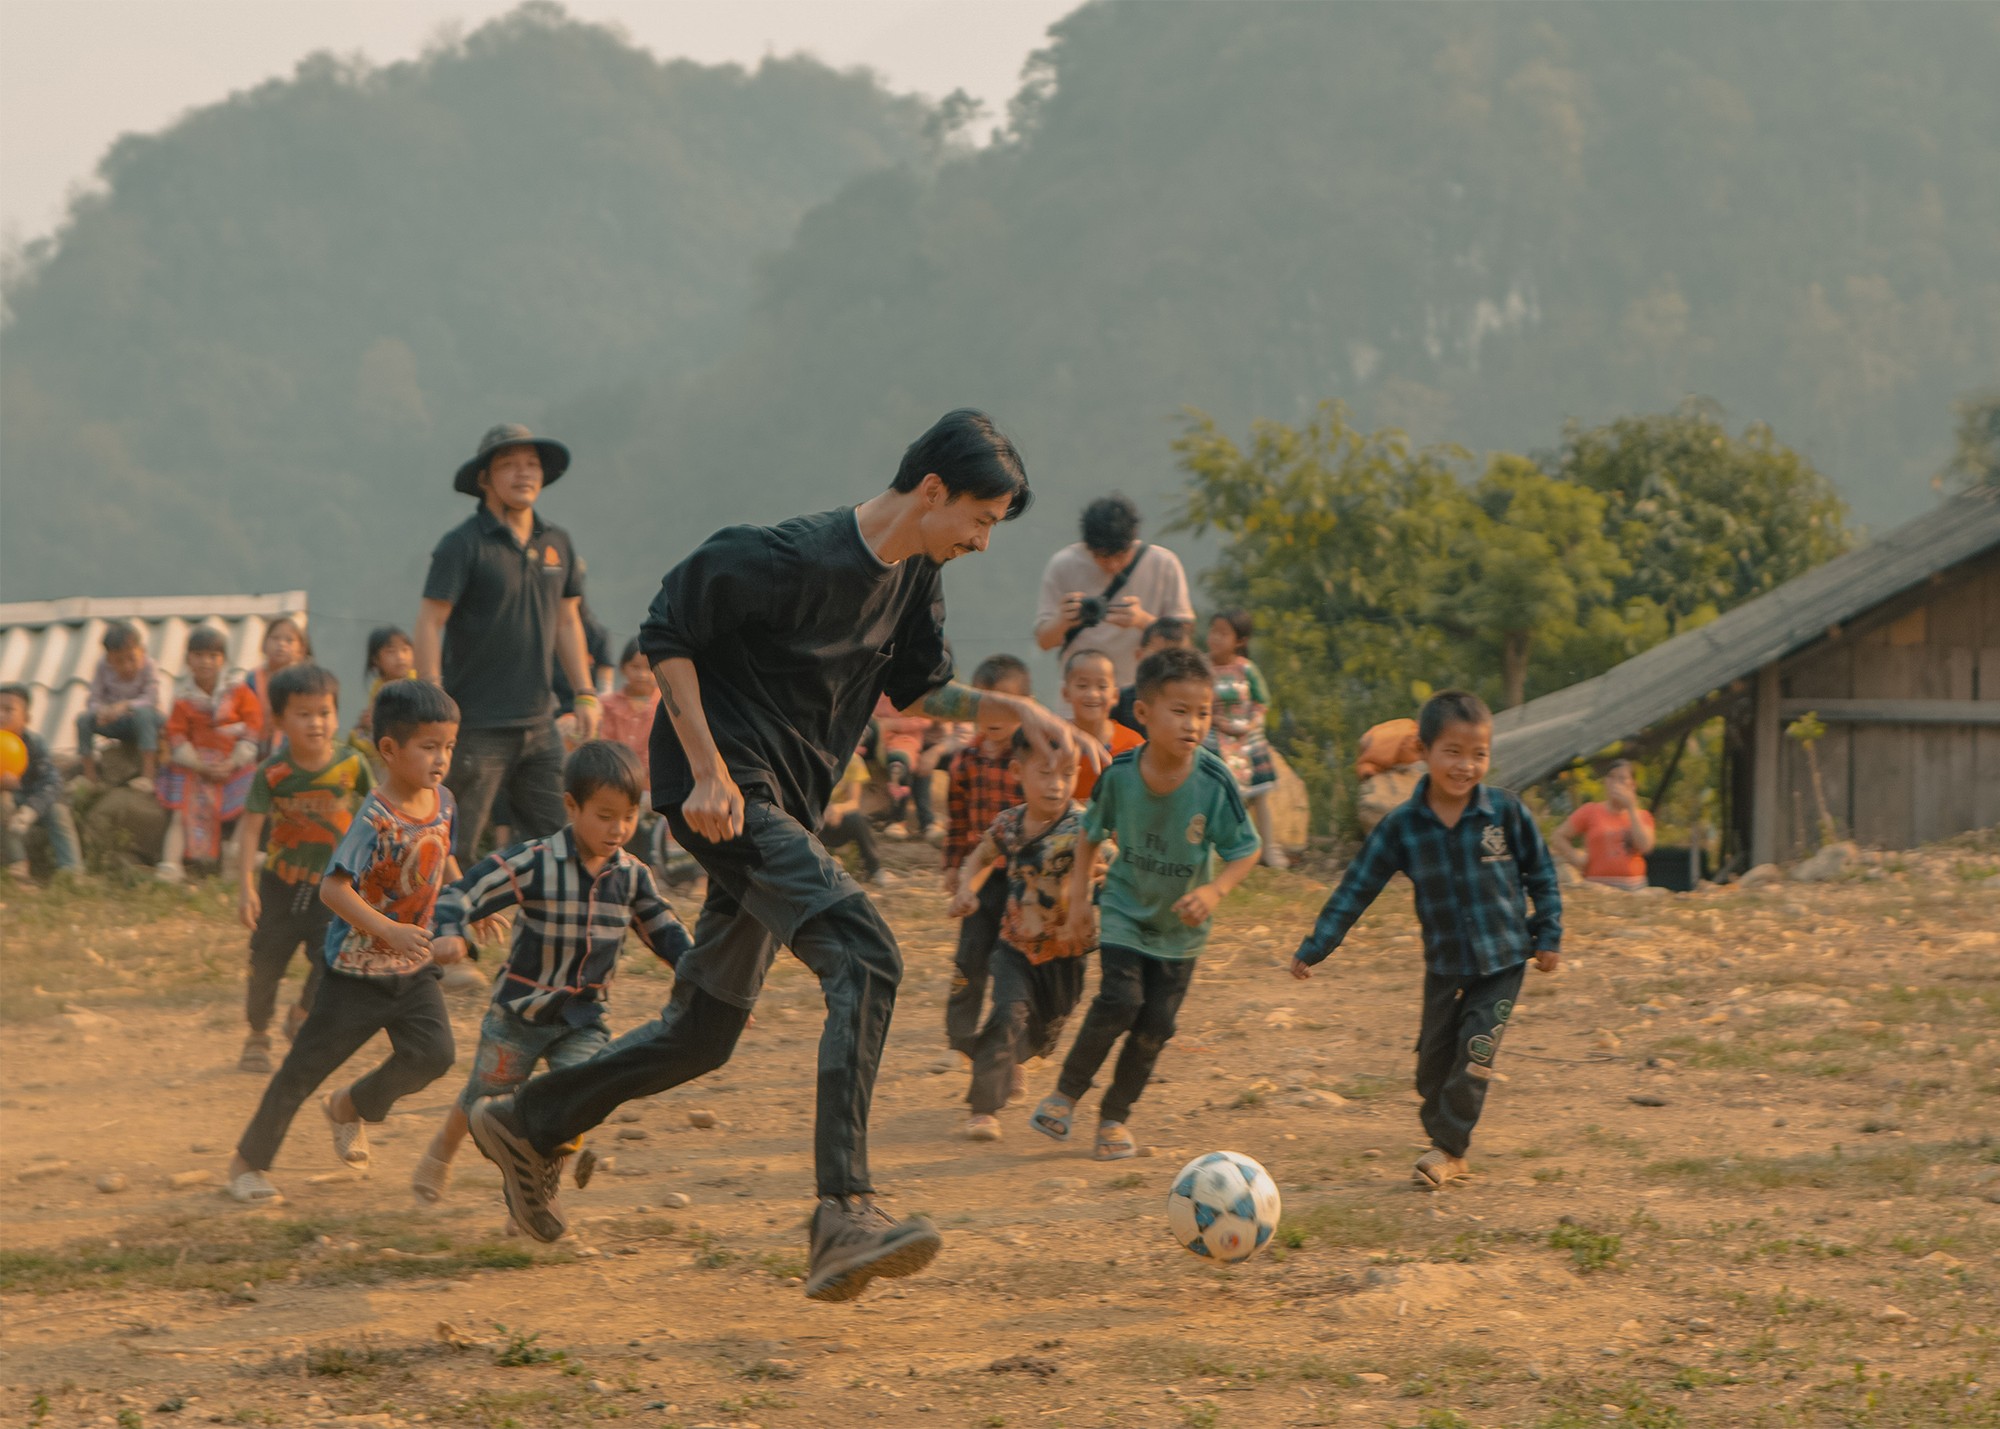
1157	580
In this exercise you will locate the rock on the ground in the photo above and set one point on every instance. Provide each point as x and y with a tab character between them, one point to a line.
111	1182
702	1117
1828	864
675	1201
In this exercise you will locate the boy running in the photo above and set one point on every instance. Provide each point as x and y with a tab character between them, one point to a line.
1476	859
1038	962
981	785
578	891
381	973
309	791
1172	807
1090	687
772	645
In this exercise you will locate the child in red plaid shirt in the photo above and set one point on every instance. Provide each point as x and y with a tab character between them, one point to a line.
982	786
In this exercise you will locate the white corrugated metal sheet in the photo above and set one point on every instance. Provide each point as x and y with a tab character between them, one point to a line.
53	646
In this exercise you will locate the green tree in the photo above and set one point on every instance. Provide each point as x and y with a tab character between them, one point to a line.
1977	460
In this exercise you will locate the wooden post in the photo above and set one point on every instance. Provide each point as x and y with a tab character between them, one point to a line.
1766	748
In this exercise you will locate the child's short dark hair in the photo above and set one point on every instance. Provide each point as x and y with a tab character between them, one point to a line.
603	764
1239	620
402	707
631	650
1168	627
206	638
20	692
1449	707
119	636
1169	666
298	631
298	680
997	670
1088	652
380	639
1023	748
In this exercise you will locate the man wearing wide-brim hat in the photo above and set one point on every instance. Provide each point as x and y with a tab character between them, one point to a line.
500	607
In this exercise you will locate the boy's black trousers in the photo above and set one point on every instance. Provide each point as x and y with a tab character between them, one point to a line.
1463	1020
978	934
1138	998
291	914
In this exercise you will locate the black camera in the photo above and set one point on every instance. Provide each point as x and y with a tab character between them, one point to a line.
1091	611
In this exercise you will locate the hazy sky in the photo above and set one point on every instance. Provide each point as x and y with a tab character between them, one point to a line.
76	74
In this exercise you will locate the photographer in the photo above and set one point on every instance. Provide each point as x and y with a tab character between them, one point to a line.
1102	592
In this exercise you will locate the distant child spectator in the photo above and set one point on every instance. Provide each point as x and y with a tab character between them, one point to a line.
391	656
285	645
1090	687
1173	809
33	796
1240	702
124	703
1166	633
578	891
982	786
844	823
381	974
1617	834
308	791
902	751
1037	963
211	742
628	710
1476	861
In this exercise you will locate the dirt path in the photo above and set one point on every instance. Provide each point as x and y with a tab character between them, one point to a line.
1742	1171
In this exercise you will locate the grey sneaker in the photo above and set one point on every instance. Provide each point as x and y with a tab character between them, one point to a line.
854	1240
256	1055
525	1174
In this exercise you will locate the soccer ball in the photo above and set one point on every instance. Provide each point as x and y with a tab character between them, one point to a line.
1223	1206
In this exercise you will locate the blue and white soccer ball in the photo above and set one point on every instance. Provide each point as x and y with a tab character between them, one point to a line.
1223	1206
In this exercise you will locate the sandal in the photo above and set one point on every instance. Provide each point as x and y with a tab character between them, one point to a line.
1052	1117
256	1056
984	1127
350	1138
1114	1142
254	1188
431	1178
1435	1170
586	1167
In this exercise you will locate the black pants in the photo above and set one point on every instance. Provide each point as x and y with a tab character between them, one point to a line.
1463	1020
347	1012
290	915
1031	1002
902	771
1137	994
525	764
978	932
854	828
764	886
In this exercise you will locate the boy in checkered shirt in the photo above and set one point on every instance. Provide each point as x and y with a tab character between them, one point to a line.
982	787
577	890
1476	860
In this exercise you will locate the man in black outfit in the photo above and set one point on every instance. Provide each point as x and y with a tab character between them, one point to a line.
772	646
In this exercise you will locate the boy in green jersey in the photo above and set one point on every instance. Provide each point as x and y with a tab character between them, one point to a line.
1172	807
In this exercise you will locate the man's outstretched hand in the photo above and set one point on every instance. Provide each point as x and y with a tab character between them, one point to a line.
1049	733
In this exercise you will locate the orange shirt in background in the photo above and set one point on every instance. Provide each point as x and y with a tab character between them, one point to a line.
1122	739
1607	856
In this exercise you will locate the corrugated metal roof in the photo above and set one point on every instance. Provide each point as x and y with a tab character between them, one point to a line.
1540	737
53	646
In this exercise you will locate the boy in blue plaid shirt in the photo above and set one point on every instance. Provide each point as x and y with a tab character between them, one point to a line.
577	890
1476	860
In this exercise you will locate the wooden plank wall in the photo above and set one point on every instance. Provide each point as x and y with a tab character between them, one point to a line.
1895	786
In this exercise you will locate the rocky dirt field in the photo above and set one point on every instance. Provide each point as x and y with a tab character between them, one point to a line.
1743	1171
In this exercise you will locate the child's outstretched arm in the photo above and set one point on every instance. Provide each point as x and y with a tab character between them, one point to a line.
249	905
495	884
1082	912
654	921
1381	857
1544	889
971	874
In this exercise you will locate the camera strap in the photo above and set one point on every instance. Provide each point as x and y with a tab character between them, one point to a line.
1111	593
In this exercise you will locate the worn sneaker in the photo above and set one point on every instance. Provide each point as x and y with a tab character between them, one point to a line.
256	1055
525	1175
854	1240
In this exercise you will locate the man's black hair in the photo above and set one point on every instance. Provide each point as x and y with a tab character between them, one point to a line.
120	636
1168	666
603	764
380	638
206	637
402	707
1449	707
301	679
20	692
971	457
996	670
1022	748
1110	525
631	649
1177	628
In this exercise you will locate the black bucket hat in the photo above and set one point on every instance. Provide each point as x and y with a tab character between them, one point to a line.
555	456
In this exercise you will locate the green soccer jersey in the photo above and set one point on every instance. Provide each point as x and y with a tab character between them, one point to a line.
1164	845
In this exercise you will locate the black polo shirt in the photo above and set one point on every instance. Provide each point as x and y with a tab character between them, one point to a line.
506	607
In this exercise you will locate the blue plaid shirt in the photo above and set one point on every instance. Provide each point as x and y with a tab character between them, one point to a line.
1473	882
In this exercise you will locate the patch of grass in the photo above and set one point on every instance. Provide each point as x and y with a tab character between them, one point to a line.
1547	1174
1591	1250
1340	1225
1363	1085
520	1349
360	1361
1906	1169
764	1369
783	1265
1131	1181
1249	1098
1318	1371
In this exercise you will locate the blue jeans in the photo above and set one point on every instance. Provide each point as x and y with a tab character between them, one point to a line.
526	762
139	727
57	824
510	1045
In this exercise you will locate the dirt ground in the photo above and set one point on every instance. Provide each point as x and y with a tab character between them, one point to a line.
1743	1170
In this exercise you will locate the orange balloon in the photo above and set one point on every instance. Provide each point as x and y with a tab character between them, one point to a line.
13	753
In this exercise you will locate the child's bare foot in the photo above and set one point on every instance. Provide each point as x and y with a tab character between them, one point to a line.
1436	1169
350	1137
1114	1142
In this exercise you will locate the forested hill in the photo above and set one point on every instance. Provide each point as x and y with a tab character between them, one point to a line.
253	362
1472	221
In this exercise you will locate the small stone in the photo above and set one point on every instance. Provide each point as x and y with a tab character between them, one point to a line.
631	1133
676	1201
1631	1327
1605	1040
1370	1377
1942	1261
203	1148
1535	1370
41	1171
598	1386
1646	1099
702	1117
111	1182
627	1115
1890	1315
1371	1154
181	1180
1696	1325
